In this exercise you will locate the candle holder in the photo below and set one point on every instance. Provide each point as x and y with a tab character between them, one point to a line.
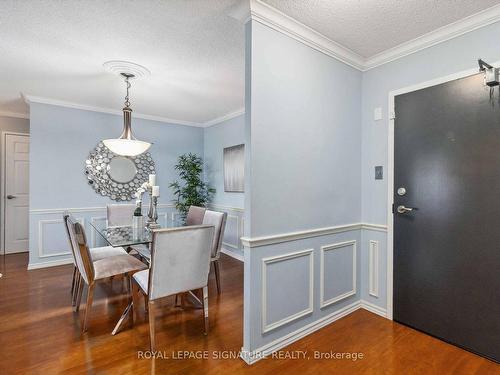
152	222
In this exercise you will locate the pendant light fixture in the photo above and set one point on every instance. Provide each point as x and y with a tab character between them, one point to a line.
127	144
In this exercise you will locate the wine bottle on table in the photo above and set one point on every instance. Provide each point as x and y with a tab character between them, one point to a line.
137	220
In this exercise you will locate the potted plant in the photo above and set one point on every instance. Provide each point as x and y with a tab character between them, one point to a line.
192	191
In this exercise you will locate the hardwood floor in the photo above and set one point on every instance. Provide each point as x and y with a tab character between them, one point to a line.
39	334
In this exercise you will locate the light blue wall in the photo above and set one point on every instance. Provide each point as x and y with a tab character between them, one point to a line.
216	138
61	139
303	133
306	136
443	59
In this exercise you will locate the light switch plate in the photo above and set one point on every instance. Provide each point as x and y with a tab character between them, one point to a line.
377	114
379	172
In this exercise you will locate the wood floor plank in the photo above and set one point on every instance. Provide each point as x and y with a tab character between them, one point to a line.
40	334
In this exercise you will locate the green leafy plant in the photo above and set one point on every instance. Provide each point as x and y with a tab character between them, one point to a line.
192	191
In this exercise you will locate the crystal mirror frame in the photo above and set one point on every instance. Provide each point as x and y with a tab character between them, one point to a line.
99	172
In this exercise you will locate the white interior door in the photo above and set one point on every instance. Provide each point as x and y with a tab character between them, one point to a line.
16	199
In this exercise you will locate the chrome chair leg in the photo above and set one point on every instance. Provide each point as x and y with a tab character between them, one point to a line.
205	308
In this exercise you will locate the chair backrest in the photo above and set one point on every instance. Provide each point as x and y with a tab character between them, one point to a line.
180	260
120	214
81	251
218	220
195	215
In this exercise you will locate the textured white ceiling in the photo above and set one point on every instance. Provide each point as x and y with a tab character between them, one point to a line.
56	49
368	27
194	49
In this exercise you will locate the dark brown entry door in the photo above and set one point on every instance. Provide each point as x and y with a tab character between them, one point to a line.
447	249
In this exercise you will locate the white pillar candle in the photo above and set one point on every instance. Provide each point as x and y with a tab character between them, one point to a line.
155	191
152	179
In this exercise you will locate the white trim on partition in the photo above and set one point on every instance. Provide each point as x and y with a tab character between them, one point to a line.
25	116
281	258
273	18
390	167
373	268
50	263
294	236
352	292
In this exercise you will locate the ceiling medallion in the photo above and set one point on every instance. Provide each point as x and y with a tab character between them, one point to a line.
127	67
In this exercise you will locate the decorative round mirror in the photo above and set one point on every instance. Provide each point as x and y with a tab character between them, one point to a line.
121	169
116	176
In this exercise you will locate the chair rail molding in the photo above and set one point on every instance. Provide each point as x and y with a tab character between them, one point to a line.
294	236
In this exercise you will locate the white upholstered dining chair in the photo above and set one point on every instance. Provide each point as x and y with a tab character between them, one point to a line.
218	220
97	253
91	270
180	262
195	215
120	214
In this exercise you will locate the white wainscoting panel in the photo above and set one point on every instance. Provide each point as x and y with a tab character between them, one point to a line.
266	265
373	268
53	239
337	248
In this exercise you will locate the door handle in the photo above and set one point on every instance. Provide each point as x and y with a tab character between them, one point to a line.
403	210
11	196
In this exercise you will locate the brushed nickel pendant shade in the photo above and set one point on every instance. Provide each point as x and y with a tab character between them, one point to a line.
127	144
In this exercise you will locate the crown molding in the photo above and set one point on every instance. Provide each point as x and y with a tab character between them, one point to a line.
447	32
14	114
38	99
226	117
267	15
273	18
42	100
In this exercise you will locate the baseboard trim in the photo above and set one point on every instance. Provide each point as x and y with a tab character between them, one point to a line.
251	357
266	350
52	263
232	254
373	308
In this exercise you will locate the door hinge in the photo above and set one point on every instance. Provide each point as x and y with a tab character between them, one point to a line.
392	115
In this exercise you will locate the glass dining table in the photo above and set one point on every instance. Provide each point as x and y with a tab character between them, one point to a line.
121	236
125	236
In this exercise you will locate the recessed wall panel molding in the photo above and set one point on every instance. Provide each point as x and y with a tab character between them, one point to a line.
52	238
49	244
287	288
96	239
373	271
234	226
337	272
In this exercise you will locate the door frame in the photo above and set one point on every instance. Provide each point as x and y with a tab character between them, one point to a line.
3	158
390	168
